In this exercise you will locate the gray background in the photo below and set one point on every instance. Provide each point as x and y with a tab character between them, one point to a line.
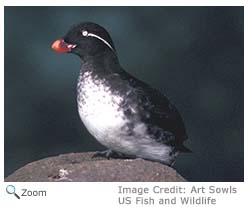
192	54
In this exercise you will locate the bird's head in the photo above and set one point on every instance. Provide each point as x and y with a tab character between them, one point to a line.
85	39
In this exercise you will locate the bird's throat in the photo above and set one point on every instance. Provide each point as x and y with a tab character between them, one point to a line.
106	63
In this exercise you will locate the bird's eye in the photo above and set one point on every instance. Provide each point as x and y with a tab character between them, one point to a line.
85	33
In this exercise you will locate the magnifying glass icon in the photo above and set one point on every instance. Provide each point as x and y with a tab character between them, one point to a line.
10	189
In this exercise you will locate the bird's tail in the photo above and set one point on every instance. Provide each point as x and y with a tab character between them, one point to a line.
182	148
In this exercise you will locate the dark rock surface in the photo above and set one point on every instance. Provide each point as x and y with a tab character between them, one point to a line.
79	167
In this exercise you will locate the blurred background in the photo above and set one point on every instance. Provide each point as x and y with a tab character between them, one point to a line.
194	55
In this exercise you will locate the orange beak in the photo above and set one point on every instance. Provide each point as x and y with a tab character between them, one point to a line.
61	46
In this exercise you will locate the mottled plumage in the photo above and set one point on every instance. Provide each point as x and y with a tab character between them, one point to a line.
123	113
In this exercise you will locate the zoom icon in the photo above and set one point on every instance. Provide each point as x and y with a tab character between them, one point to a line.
10	189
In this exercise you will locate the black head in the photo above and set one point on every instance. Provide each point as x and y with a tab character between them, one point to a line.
85	39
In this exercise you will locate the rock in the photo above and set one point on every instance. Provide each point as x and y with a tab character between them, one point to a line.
77	167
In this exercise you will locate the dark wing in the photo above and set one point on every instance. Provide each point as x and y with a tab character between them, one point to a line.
160	115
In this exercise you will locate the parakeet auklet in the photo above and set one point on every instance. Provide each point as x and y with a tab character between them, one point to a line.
124	114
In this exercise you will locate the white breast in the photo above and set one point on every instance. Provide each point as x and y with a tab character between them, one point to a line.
99	109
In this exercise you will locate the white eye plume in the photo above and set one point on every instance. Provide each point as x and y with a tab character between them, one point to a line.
85	33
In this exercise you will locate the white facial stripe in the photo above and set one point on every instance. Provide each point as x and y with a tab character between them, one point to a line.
86	34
